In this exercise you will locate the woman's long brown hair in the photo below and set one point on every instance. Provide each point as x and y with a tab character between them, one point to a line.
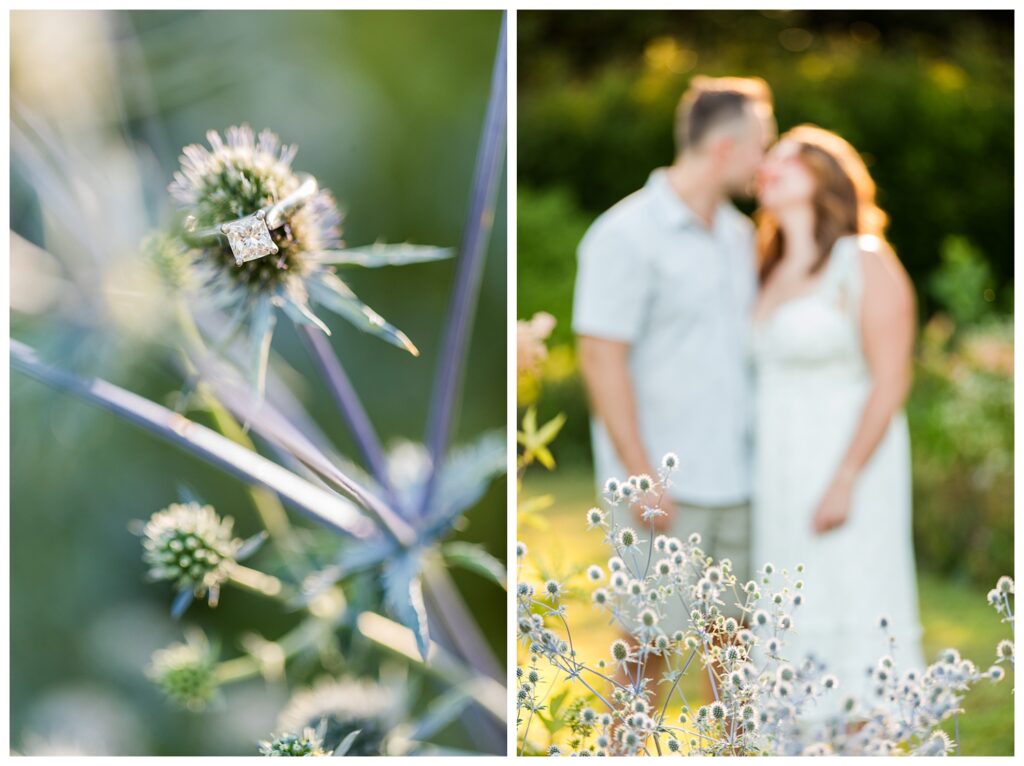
844	201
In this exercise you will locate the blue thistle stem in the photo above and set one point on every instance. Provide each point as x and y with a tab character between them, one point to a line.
324	507
469	269
348	403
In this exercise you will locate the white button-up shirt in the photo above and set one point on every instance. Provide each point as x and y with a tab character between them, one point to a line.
651	274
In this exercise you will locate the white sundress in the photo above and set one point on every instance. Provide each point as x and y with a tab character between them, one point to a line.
812	383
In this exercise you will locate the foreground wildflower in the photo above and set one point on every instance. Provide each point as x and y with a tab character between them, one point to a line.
193	547
345	706
765	702
185	672
289	267
307	744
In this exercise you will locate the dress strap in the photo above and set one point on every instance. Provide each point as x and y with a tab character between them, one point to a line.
846	279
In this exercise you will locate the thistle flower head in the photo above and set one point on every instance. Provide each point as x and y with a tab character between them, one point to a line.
185	672
236	176
190	545
620	650
343	706
627	537
308	743
670	461
937	744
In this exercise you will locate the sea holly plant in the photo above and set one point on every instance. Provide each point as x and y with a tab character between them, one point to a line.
377	575
765	702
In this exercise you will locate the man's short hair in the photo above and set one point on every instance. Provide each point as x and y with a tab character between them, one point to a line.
710	101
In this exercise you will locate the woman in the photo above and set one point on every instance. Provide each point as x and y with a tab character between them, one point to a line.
833	338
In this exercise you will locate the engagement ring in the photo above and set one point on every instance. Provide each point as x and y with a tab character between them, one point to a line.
249	236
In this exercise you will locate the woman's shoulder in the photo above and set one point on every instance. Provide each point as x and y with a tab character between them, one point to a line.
880	270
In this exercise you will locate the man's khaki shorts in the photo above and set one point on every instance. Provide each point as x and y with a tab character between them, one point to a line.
724	534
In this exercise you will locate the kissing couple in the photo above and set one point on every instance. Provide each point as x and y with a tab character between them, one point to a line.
773	357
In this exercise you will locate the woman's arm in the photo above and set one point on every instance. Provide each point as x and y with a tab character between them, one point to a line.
888	319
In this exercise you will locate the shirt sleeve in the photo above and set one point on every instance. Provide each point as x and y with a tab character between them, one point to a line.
612	282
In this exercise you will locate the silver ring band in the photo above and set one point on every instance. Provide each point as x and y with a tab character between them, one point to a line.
249	236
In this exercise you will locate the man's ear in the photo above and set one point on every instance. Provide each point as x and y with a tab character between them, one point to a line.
721	147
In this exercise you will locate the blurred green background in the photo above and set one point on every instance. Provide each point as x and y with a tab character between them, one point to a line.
927	98
386	109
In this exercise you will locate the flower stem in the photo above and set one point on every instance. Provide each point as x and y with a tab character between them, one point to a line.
321	506
469	269
267	504
255	581
347	401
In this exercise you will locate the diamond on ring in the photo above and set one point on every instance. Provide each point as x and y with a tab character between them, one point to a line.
249	237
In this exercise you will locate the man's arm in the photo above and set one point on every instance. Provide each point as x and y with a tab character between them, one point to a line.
604	365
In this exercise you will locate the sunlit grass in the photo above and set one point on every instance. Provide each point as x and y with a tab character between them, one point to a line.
954	613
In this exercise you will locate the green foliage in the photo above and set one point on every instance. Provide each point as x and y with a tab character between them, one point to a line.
961	418
549	227
929	105
964	284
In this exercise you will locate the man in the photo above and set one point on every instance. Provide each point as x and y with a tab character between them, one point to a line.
665	285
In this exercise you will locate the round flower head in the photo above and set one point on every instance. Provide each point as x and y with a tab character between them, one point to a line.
611	487
1005	584
1004	650
190	545
185	671
343	706
307	744
620	650
594	573
670	462
521	549
995	674
238	175
937	744
627	537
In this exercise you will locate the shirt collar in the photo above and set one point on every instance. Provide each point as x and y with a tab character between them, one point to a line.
670	208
